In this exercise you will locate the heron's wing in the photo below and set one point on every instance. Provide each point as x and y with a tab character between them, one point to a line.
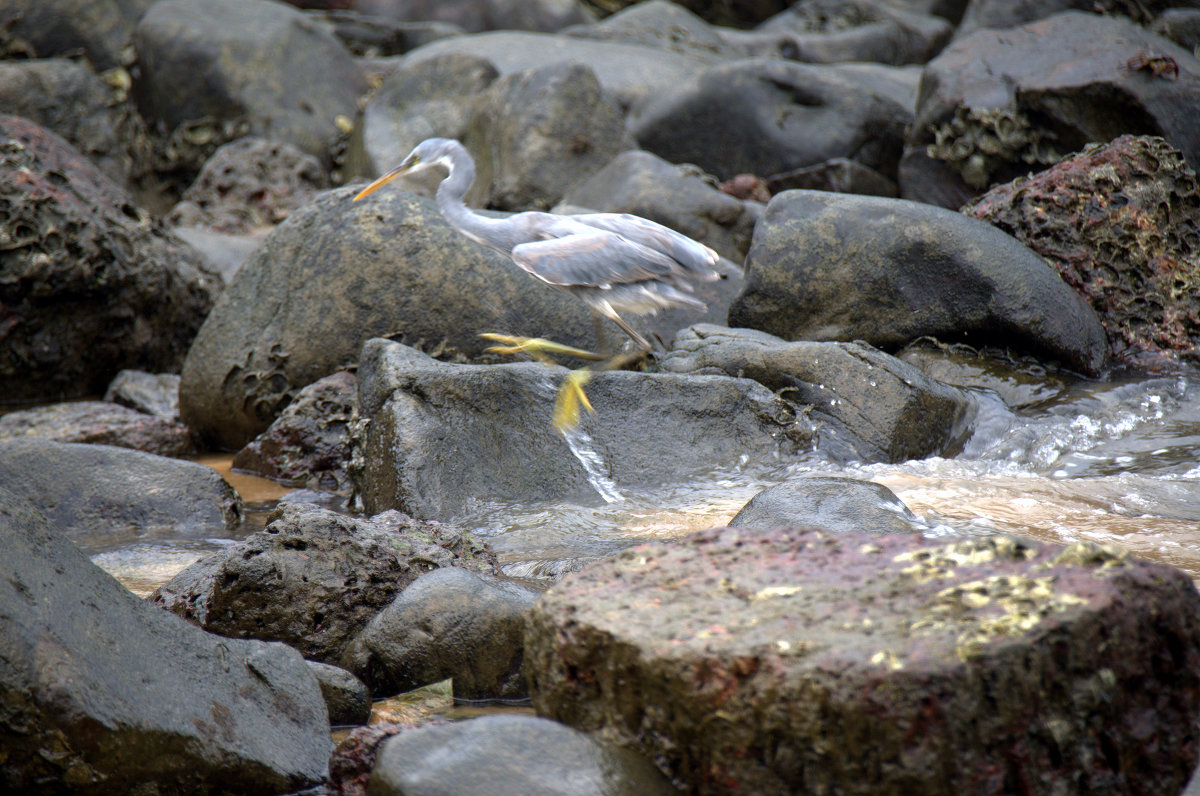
693	256
592	259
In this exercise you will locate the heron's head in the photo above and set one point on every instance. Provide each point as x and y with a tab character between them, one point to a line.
430	152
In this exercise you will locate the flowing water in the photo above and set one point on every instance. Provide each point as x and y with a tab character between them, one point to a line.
1115	461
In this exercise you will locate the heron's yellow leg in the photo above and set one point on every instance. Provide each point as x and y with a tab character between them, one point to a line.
570	397
536	347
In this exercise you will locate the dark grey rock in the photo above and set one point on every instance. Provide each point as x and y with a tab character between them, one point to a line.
150	393
101	29
769	115
509	754
717	12
102	423
662	25
309	443
99	495
442	438
338	272
749	661
104	693
830	31
535	133
448	623
1000	14
827	266
371	36
680	197
90	284
864	404
346	697
840	175
312	578
249	184
222	254
1180	25
1000	103
1019	384
478	15
830	503
263	62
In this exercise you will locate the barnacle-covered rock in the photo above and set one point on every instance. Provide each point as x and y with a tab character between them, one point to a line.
89	284
1120	222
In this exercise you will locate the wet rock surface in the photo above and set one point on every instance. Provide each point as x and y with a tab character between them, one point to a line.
835	267
509	754
448	623
830	503
346	697
100	422
337	273
90	284
309	443
864	405
1000	102
442	436
1119	222
104	693
104	496
313	578
982	666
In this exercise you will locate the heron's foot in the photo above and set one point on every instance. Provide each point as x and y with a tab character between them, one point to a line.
570	398
537	347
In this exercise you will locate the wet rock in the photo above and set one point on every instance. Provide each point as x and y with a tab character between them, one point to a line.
636	76
443	438
776	115
830	503
312	578
249	184
309	442
353	758
104	693
448	623
425	99
333	275
101	495
509	754
746	661
864	404
1119	223
101	29
478	15
829	266
150	393
535	133
262	62
840	175
100	422
830	31
680	197
89	284
346	697
70	100
998	104
1019	383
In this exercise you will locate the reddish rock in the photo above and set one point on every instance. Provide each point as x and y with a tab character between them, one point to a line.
103	423
1120	223
801	661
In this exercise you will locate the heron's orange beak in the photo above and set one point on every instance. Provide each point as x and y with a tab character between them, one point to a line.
384	180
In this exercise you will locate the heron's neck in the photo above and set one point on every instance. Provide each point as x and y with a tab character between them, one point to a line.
479	228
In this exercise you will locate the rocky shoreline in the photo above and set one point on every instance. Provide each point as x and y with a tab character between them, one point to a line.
886	179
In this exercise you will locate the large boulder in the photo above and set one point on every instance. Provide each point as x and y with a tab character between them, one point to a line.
90	284
100	422
338	272
829	266
748	661
314	578
104	693
449	623
100	495
829	31
263	62
864	404
102	29
445	439
1119	222
509	754
1000	102
775	116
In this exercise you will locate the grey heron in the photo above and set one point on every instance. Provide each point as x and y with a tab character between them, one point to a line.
613	262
